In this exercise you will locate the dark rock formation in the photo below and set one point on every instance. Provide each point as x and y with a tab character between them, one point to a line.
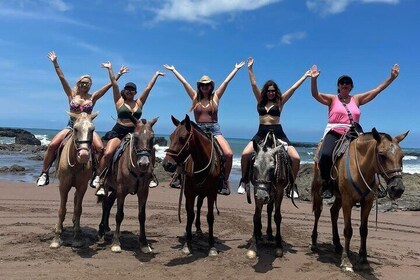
21	136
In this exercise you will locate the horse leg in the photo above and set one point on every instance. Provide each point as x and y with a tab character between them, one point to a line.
270	207
119	217
142	198
277	219
107	204
78	207
364	218
210	222
253	248
348	233
56	242
316	207
334	211
198	215
189	207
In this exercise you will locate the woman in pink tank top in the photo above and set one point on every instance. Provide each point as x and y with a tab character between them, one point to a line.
343	112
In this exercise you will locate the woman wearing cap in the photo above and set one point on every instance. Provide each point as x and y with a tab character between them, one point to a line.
126	105
343	112
80	101
270	102
205	105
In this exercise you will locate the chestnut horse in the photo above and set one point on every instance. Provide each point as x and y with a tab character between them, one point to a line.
368	155
131	174
74	169
270	175
196	153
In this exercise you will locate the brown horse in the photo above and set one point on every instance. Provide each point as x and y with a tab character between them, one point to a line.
368	155
130	174
270	175
74	169
197	154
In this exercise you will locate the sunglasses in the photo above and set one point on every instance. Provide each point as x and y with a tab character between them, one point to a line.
84	84
130	89
345	82
205	85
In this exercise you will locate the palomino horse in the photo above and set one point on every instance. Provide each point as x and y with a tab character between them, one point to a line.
130	174
270	175
368	155
74	169
195	152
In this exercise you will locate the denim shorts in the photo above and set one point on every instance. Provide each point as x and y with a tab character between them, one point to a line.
214	128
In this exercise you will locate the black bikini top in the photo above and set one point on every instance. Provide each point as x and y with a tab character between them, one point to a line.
272	110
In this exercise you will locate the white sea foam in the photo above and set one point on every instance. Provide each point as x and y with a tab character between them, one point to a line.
43	138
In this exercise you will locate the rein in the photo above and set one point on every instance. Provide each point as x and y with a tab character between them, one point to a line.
76	144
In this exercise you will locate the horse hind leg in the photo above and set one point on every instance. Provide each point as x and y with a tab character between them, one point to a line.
78	198
316	206
334	211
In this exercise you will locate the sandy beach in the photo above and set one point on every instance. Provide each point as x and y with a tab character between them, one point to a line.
28	215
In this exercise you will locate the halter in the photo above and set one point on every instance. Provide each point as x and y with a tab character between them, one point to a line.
76	143
138	153
176	155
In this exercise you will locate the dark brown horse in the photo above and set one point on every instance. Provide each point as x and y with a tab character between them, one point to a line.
131	173
368	155
270	175
196	153
74	169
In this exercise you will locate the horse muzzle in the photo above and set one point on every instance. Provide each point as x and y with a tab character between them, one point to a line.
83	155
395	188
143	163
169	165
262	193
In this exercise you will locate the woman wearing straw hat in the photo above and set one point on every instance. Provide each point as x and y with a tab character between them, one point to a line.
205	105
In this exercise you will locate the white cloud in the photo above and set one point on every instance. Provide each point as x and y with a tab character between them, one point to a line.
204	10
287	39
331	7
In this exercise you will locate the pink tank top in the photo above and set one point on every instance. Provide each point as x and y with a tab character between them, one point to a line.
338	114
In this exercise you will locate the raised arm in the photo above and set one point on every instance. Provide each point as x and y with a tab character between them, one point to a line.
113	83
364	98
320	97
145	94
188	88
221	89
100	92
286	95
67	89
253	81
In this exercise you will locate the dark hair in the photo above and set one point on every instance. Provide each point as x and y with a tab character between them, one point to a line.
264	90
199	96
122	92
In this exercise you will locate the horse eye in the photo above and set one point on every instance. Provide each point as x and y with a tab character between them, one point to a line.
382	156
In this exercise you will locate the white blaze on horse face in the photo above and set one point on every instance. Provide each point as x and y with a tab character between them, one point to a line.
393	148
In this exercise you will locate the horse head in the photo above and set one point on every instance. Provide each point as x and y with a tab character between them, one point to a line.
142	142
389	160
83	135
263	169
179	148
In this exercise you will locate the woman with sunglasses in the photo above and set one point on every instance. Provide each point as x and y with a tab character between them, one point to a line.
126	105
205	105
80	100
270	102
343	113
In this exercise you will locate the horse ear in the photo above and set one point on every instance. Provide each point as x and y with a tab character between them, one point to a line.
187	118
153	121
255	145
401	137
275	149
187	122
94	115
376	135
175	120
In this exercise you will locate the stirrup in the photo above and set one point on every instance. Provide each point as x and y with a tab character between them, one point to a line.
43	179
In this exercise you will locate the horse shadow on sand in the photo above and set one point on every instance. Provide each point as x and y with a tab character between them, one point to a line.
325	253
200	247
266	253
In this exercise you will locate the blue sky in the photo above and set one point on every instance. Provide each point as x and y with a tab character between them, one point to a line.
361	38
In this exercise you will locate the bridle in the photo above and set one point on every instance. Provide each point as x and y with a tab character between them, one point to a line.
183	151
147	152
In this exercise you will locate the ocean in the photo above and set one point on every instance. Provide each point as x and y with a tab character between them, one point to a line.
411	160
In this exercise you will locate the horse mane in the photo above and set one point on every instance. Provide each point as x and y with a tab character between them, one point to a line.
369	135
193	124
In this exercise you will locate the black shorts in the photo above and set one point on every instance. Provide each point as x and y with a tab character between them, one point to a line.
118	131
263	130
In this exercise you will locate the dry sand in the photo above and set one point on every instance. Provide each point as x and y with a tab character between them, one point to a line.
28	215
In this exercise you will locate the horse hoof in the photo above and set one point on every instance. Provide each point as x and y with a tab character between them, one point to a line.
213	252
116	248
279	252
346	266
251	254
186	250
146	249
55	244
347	269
